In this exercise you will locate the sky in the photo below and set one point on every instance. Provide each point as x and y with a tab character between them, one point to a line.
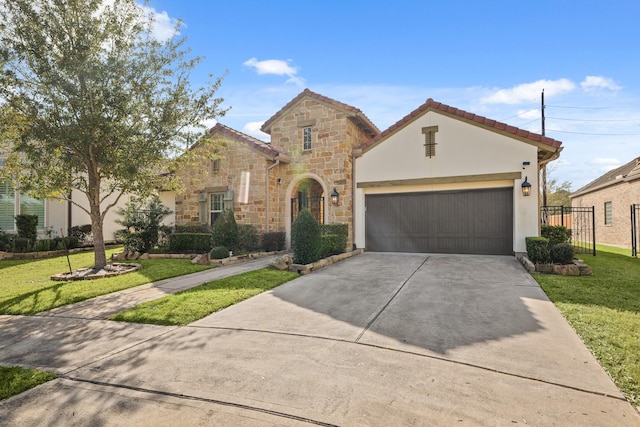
492	58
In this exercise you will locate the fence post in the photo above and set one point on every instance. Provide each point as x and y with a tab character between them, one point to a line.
593	227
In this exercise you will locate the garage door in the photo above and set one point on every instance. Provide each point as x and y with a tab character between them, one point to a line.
466	222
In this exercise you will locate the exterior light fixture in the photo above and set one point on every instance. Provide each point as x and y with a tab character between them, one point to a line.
334	196
526	187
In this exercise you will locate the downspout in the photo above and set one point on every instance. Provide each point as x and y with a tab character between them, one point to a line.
267	214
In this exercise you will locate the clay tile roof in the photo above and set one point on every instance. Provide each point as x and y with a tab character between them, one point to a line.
355	114
545	142
254	143
624	173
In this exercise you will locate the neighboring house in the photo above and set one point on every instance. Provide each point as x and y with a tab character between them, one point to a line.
57	216
439	180
612	194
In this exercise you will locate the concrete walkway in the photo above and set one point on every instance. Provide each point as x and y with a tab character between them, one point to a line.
379	339
107	305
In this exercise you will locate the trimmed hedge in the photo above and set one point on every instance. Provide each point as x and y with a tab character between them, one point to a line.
224	232
306	240
274	241
190	242
334	239
556	234
538	250
27	226
193	228
219	252
248	237
562	253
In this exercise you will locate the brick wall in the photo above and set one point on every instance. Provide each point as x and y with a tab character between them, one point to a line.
621	196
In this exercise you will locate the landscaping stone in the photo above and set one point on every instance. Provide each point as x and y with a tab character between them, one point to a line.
282	262
202	259
115	269
566	269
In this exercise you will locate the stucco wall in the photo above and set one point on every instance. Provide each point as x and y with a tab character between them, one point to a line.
463	150
621	195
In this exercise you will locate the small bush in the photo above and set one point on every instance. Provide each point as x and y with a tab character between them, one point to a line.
27	226
21	244
142	223
306	241
538	250
224	232
71	242
219	252
5	241
193	228
248	238
274	241
556	234
334	238
190	242
82	232
562	253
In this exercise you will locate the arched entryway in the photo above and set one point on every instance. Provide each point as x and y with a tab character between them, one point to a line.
308	191
308	194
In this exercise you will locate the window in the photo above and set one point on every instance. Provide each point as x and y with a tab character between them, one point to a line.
430	141
26	205
216	206
608	213
306	138
7	206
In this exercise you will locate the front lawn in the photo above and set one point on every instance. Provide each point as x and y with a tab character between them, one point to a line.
26	287
14	380
604	309
192	304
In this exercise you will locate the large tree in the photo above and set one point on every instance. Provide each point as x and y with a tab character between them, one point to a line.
99	104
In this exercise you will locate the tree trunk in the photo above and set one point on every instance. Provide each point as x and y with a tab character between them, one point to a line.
93	194
99	254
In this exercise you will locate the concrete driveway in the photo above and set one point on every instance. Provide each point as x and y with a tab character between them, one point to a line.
379	339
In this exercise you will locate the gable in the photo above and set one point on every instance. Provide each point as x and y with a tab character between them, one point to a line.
548	148
461	150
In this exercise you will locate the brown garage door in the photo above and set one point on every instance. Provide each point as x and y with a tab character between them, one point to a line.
466	222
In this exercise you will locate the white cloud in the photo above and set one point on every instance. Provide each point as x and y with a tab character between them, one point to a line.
592	83
164	26
253	129
277	67
606	164
528	92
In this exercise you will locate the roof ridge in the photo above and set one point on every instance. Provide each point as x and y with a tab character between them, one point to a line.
610	176
325	99
430	104
248	139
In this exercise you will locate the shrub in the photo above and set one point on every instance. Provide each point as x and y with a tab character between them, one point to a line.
306	242
81	232
274	241
562	253
142	222
5	241
538	250
556	234
224	232
219	252
248	237
71	242
190	242
193	228
21	244
334	238
27	226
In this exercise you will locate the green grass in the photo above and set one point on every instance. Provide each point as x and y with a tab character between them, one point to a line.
14	380
192	304
604	309
26	287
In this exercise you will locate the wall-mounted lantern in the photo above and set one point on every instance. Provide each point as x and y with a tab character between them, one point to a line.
526	187
334	196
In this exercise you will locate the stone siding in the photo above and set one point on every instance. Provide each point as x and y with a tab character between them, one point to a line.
621	195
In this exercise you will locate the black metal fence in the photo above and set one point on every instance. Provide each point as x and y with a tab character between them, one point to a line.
581	222
314	204
635	229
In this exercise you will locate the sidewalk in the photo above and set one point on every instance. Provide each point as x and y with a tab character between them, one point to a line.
107	305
